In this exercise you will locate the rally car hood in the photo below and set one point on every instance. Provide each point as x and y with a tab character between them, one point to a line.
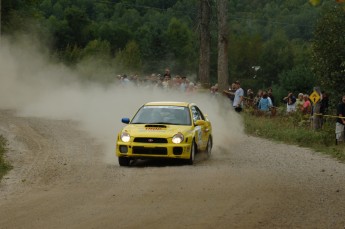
156	130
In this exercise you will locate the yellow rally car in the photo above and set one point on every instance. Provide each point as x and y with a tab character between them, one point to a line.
164	130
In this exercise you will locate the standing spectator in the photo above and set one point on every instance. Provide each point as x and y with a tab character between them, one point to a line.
270	95
158	83
124	80
190	88
183	85
231	92
214	89
265	102
339	126
250	98
306	107
300	102
238	99
257	98
324	103
167	73
324	106
176	82
290	100
250	94
166	82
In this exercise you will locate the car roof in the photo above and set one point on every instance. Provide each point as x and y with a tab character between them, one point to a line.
168	103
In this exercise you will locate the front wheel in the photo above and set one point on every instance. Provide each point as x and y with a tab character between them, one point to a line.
209	147
124	161
192	154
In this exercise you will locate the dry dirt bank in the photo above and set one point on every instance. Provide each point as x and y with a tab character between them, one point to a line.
60	180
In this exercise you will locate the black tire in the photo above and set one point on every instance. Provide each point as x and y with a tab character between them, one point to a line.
209	147
192	154
124	161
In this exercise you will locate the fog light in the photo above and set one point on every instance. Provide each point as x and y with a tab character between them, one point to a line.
177	150
123	149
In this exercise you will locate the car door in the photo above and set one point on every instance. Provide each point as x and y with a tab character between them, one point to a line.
201	132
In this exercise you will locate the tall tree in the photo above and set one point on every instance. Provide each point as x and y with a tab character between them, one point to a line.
222	16
129	59
329	51
205	39
179	43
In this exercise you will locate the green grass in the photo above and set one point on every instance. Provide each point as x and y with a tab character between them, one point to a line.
4	166
295	129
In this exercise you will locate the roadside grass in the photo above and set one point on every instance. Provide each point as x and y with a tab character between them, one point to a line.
295	129
4	165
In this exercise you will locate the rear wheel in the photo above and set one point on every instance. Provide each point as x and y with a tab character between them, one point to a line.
124	161
192	154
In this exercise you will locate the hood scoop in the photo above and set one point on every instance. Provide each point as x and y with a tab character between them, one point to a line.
155	126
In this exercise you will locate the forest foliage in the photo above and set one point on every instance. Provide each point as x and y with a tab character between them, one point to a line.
297	45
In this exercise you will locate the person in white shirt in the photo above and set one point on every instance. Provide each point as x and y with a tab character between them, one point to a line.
238	100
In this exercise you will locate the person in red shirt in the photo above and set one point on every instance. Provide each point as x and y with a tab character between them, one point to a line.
306	107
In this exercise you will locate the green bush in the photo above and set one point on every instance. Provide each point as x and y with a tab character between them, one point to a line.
296	129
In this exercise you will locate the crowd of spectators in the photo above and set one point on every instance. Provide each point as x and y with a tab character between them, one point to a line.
164	81
262	103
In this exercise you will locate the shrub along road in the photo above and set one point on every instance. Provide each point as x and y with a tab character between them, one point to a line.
61	180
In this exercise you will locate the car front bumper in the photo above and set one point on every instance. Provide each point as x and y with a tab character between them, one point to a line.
145	150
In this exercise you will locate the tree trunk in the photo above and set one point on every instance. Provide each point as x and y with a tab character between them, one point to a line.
223	75
205	39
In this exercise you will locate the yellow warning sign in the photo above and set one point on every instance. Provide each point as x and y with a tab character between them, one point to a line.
314	97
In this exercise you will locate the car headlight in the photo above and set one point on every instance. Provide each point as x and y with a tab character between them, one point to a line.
178	138
125	137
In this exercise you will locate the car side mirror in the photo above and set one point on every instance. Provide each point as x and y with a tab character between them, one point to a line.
199	122
125	120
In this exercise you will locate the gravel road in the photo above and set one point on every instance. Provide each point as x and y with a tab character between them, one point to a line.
61	133
61	180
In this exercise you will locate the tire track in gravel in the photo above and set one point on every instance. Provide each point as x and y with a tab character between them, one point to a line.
44	152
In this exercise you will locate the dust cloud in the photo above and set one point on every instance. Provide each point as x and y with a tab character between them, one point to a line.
33	86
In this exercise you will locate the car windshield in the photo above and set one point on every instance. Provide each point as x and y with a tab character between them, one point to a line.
172	115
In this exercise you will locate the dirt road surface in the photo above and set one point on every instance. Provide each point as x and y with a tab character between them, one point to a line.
60	180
